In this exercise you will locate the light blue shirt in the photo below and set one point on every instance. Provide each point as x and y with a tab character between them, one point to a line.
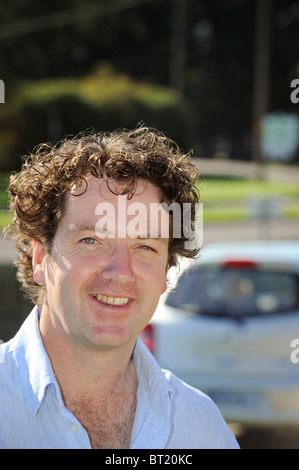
169	414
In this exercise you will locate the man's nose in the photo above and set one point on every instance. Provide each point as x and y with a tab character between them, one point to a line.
119	266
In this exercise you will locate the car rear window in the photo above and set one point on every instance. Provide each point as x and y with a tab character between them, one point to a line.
237	292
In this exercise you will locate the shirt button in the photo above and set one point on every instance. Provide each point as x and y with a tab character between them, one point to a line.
74	427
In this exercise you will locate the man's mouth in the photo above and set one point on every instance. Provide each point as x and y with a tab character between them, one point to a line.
107	300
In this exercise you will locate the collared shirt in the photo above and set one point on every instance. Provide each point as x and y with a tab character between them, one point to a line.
169	413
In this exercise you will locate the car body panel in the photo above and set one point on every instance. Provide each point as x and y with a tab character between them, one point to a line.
242	363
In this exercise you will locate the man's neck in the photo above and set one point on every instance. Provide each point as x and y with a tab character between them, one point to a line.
82	370
98	386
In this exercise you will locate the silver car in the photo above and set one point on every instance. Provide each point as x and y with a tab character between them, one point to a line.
230	328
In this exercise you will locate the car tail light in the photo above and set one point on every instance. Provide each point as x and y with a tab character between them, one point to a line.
236	263
147	336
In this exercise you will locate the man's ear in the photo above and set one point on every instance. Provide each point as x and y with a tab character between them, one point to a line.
38	262
164	287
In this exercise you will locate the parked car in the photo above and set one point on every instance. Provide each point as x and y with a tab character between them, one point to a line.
228	326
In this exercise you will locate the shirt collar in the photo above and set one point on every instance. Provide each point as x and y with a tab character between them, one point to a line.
36	371
33	363
154	383
152	424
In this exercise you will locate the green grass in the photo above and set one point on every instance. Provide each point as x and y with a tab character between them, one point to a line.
223	214
292	212
229	199
6	217
4	180
212	190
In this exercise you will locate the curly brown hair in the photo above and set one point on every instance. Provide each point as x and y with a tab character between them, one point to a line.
38	191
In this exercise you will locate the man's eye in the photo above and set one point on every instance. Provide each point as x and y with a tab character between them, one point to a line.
146	247
89	240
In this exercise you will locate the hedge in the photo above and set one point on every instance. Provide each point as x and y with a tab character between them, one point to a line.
47	110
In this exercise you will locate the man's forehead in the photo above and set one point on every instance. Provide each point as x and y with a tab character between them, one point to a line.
106	188
107	213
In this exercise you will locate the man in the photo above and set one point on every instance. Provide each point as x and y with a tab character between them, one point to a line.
94	261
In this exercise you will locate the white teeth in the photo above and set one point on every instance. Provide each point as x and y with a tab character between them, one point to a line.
112	300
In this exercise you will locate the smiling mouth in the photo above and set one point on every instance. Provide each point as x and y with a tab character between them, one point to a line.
114	301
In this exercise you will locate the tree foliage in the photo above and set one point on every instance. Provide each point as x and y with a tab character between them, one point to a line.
50	43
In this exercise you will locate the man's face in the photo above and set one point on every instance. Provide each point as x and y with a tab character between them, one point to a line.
101	292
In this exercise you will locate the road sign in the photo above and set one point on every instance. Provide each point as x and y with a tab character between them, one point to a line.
280	136
265	208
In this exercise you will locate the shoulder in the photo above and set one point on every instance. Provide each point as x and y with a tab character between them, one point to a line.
7	363
197	418
9	375
187	396
11	398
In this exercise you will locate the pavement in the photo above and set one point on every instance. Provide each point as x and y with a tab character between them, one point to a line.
273	229
244	169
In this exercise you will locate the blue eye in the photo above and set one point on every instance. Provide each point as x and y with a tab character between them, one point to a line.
89	240
146	247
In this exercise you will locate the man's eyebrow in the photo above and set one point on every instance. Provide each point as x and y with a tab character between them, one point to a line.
149	237
81	227
87	227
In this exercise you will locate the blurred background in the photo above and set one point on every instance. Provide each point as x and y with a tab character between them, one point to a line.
220	77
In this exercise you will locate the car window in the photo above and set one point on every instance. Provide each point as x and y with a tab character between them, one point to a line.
238	292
